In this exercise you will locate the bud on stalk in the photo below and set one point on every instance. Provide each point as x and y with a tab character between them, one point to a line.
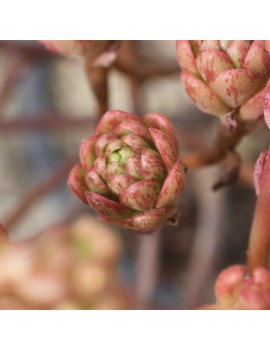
129	171
221	76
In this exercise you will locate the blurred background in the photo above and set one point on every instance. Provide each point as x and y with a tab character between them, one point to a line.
47	108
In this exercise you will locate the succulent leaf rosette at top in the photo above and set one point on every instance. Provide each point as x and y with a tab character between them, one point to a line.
100	52
221	76
129	171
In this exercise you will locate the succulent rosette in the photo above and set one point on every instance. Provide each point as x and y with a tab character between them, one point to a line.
237	291
129	171
223	75
102	52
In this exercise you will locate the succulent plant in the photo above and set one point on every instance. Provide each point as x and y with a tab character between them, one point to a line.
235	290
129	171
101	52
221	76
67	267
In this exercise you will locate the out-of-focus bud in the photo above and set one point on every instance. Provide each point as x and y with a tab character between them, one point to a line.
67	267
94	240
228	284
236	291
89	279
42	289
100	52
15	265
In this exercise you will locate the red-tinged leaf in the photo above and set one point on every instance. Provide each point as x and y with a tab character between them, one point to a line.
106	207
152	165
253	108
88	153
258	170
144	222
133	167
114	168
76	181
165	146
136	142
95	183
162	122
235	86
266	104
111	119
135	127
228	283
114	146
210	45
102	143
142	195
101	167
172	185
258	59
119	183
237	51
185	56
203	96
212	62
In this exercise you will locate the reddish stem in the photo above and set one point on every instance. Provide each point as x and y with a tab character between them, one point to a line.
260	231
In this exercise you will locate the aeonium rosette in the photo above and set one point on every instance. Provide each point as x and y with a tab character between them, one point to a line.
221	76
129	171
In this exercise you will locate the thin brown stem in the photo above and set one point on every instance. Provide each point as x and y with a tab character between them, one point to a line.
37	193
225	142
147	268
98	80
259	241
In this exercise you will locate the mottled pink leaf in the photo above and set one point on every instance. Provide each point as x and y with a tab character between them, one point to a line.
142	195
105	206
165	146
87	152
111	119
172	185
76	181
258	170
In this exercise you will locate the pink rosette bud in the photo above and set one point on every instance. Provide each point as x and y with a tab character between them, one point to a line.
129	171
234	290
223	75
